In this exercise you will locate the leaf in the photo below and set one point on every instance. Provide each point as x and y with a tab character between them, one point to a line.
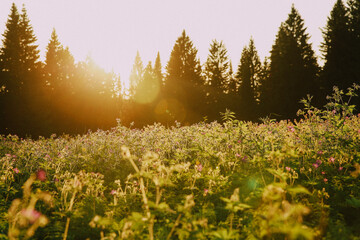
298	189
353	202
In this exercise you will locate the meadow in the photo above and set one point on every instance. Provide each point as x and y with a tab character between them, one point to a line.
284	179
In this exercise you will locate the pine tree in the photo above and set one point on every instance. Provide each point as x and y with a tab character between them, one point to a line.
149	87
183	81
338	68
248	75
354	25
136	75
232	85
52	65
158	69
216	73
10	54
293	69
29	50
59	65
216	68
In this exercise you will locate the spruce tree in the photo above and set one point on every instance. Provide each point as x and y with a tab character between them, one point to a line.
136	75
338	68
59	65
149	87
52	65
216	72
293	69
183	81
158	69
232	85
29	50
10	51
248	75
354	25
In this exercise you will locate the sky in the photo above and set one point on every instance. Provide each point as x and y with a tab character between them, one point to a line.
112	31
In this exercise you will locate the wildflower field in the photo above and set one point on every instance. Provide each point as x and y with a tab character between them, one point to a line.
231	180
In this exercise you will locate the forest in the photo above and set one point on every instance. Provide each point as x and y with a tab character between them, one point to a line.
266	150
61	96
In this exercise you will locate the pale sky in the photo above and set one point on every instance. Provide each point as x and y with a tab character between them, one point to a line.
112	31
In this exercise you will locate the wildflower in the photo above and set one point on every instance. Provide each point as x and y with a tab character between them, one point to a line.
320	152
325	180
31	215
291	128
323	173
316	165
288	169
318	162
331	160
244	159
206	191
237	155
41	175
16	170
113	192
340	168
199	167
239	141
8	155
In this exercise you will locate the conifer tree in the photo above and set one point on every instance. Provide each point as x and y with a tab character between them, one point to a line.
183	81
338	67
149	87
59	65
29	50
248	76
158	69
293	69
10	54
354	25
136	75
216	73
216	68
232	85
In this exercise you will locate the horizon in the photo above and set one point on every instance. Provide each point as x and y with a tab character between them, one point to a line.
79	26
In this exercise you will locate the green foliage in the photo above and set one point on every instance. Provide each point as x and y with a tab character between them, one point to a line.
236	180
293	69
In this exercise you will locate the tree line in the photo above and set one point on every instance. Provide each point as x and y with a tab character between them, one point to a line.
61	96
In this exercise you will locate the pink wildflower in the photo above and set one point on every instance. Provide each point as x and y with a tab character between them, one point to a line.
16	170
331	160
31	215
325	180
320	152
199	167
288	169
291	128
323	173
316	165
206	191
237	155
113	192
41	175
340	168
318	162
